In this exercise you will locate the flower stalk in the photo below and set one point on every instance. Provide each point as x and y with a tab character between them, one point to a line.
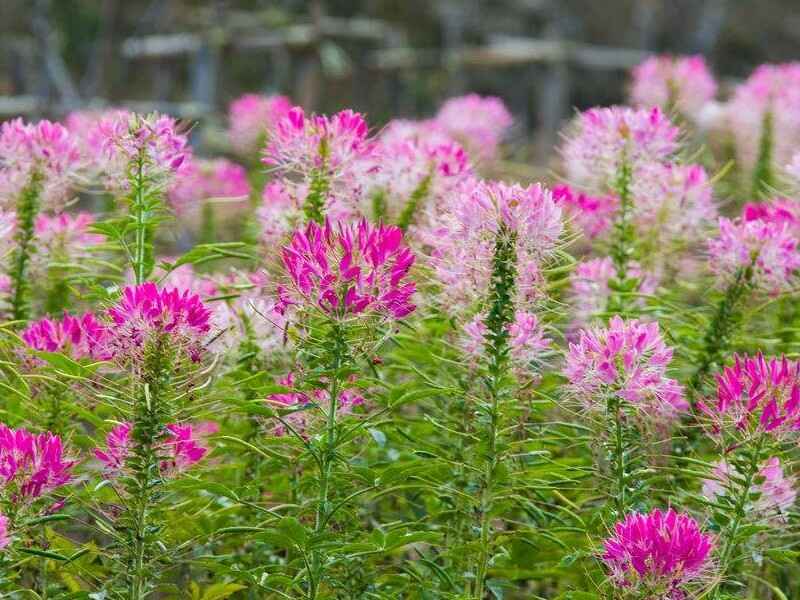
624	237
27	209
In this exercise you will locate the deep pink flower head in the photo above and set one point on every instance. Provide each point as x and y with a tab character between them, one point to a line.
592	214
681	82
5	538
601	140
776	210
628	358
477	122
756	395
657	553
777	492
201	180
45	148
349	269
145	313
118	446
31	464
251	120
768	245
78	337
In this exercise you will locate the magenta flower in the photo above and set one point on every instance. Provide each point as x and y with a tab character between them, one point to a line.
146	314
630	359
251	120
777	493
477	122
756	395
78	337
592	214
657	554
31	464
349	269
776	210
603	139
118	446
681	82
5	538
202	180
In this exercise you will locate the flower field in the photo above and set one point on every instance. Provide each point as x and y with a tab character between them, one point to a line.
349	360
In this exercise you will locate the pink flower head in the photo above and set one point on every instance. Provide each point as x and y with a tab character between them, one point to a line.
592	214
526	339
630	359
777	492
202	180
349	269
45	148
146	313
657	553
184	445
776	210
253	118
280	213
768	246
756	395
793	169
31	464
603	139
477	122
118	447
5	538
71	232
682	82
78	337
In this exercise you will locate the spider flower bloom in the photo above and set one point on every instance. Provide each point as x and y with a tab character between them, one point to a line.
78	337
44	148
767	246
602	140
67	232
349	269
280	213
251	120
477	122
146	314
592	214
681	82
757	394
526	339
5	538
202	180
628	358
777	492
118	446
31	464
657	554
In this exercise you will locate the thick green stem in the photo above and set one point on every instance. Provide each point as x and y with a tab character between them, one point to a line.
416	198
623	244
27	209
763	172
140	209
314	205
619	452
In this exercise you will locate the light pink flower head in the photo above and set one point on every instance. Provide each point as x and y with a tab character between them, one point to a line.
477	122
793	170
601	140
5	535
68	231
78	337
768	246
251	120
777	492
118	447
592	214
657	554
281	212
45	148
146	314
629	359
681	82
201	180
349	269
31	464
527	340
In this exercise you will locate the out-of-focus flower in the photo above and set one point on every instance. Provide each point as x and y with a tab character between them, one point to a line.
349	269
66	232
79	337
280	213
777	492
185	278
477	122
629	359
31	464
44	148
5	537
251	120
657	554
793	169
201	180
592	214
681	82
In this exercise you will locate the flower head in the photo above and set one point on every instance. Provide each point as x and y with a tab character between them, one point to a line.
526	337
202	180
118	446
79	337
280	213
66	232
592	214
629	359
31	465
5	538
777	493
477	122
349	269
682	82
657	553
252	119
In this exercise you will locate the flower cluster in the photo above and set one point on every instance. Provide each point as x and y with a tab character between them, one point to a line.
683	83
526	338
776	492
280	213
31	465
66	232
592	214
629	359
78	337
349	269
479	123
208	180
251	120
657	554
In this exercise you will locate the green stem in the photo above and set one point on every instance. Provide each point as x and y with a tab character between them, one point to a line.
27	209
419	194
623	244
618	457
320	185
140	208
763	175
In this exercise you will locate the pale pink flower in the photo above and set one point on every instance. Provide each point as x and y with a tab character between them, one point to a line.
79	337
477	122
656	554
31	465
67	231
527	340
681	82
281	212
777	492
202	180
251	120
793	170
629	359
185	278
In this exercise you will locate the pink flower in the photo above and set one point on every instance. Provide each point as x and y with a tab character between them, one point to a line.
776	210
768	246
185	278
758	395
593	215
630	359
78	337
5	539
349	269
777	492
252	119
146	314
526	339
477	122
280	213
31	464
682	82
201	180
793	169
45	148
118	446
601	140
657	553
70	232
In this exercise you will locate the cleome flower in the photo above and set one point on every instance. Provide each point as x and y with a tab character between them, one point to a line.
5	537
527	339
77	336
31	465
656	554
477	122
202	180
673	82
349	269
777	493
252	118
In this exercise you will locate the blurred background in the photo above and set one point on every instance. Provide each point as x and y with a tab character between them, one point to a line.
387	58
